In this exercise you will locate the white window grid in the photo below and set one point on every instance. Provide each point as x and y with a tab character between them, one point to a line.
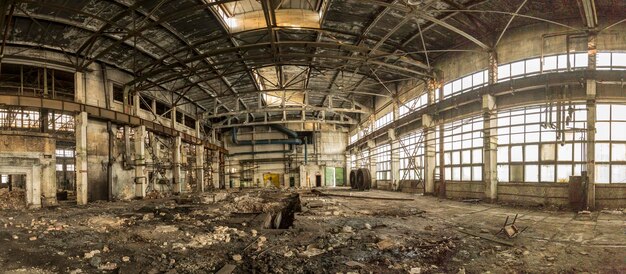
528	149
383	162
463	142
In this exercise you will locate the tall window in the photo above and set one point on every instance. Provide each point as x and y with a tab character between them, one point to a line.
462	143
528	147
383	162
412	156
611	143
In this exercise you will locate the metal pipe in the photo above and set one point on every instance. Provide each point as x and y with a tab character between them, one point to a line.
110	162
293	141
306	153
259	152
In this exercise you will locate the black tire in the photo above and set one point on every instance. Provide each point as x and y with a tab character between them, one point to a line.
353	179
367	179
359	179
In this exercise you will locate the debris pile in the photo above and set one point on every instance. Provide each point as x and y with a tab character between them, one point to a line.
14	199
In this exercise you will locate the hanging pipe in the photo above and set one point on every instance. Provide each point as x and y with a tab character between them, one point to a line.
306	153
292	141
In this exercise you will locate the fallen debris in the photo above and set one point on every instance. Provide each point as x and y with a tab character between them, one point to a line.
496	240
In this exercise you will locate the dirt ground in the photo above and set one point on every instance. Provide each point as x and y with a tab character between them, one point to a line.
254	231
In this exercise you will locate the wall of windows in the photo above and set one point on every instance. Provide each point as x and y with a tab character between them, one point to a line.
528	148
464	84
19	118
413	105
412	156
383	162
382	121
610	143
462	149
611	61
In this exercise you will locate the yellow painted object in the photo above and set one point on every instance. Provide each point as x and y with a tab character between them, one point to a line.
271	178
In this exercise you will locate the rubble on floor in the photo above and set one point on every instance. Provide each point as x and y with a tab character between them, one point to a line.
13	200
269	231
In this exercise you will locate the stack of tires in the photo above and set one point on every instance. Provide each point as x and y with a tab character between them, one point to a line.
361	179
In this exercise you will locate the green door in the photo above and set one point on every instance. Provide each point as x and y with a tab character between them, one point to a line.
339	176
329	178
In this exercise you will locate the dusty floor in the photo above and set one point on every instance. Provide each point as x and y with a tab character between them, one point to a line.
330	234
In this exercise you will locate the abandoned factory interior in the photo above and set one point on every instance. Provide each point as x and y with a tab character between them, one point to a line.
312	136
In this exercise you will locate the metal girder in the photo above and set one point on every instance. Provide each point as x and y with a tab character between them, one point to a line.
94	37
469	5
276	28
305	44
288	109
423	15
588	12
181	13
364	59
285	121
85	28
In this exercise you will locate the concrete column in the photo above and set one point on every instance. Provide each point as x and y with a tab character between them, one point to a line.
490	147
490	133
348	168
200	167
173	117
81	158
591	125
199	157
140	161
178	184
395	151
136	104
79	87
429	153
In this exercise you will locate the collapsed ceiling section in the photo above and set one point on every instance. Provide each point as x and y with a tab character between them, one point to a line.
270	61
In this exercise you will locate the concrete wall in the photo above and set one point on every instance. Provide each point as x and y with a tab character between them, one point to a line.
32	154
473	190
611	196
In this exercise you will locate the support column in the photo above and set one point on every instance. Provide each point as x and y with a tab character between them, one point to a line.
348	168
79	88
429	131
490	133
429	154
81	158
591	125
395	152
140	161
490	147
200	167
178	184
395	163
372	167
